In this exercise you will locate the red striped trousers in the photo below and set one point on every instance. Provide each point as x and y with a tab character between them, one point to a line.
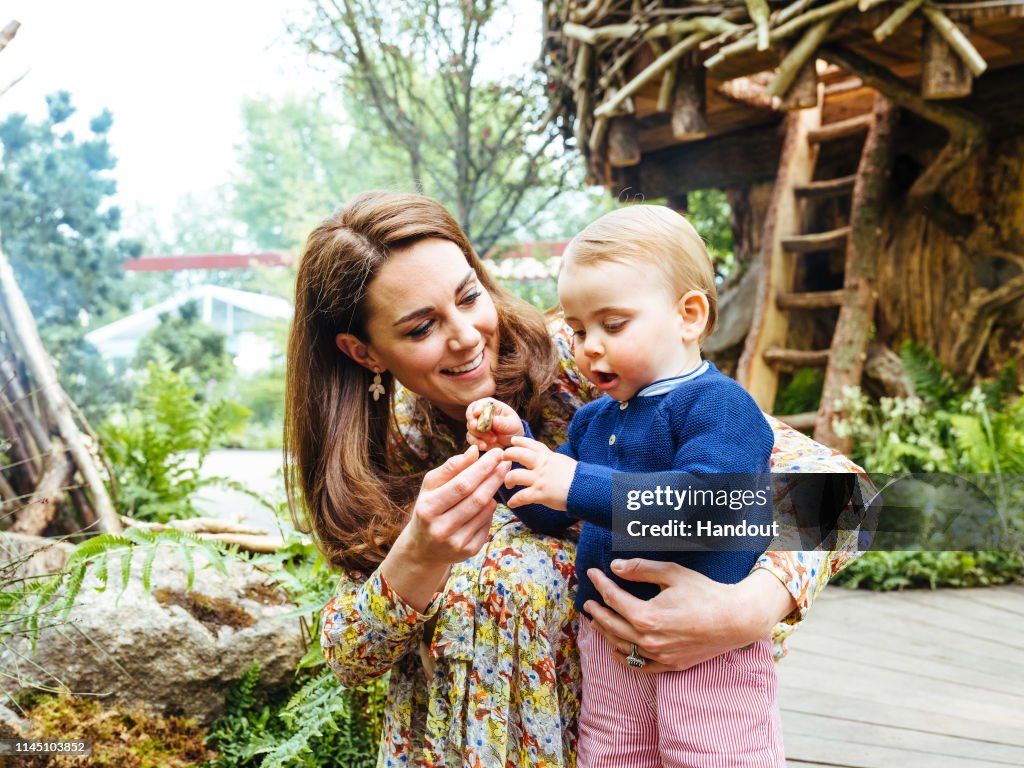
721	713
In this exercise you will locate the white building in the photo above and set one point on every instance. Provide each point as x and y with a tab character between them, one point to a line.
242	316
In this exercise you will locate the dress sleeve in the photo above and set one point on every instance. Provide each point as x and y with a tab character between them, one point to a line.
368	627
805	573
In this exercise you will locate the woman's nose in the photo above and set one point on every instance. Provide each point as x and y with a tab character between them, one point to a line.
464	335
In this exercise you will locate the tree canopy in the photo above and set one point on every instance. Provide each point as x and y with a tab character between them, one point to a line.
58	227
488	148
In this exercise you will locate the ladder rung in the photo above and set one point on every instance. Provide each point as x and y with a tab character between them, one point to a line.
823	189
800	420
819	241
844	86
840	130
796	357
810	299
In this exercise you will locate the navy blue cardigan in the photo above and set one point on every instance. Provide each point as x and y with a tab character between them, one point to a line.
699	423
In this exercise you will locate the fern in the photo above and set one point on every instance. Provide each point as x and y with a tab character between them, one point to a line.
160	441
27	603
932	383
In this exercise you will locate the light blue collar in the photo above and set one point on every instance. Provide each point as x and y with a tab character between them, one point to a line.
667	385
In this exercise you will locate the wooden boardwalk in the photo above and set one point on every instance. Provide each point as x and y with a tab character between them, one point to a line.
901	680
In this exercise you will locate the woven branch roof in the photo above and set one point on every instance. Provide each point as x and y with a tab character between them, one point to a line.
612	58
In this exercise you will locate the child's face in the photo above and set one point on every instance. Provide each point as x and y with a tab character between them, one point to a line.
630	328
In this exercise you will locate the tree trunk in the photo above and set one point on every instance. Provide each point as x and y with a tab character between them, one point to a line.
962	297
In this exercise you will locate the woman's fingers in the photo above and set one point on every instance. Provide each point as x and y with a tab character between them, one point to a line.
478	503
438	476
615	629
632	609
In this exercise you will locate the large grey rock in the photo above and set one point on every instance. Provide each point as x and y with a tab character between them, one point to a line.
170	651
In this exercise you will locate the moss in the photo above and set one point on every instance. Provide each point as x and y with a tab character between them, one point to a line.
267	594
121	738
211	612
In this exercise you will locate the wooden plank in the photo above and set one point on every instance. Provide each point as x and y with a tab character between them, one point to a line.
886	707
820	750
828	188
1009	598
796	358
858	678
912	741
851	127
831	240
953	603
828	648
810	299
799	420
933	641
935	618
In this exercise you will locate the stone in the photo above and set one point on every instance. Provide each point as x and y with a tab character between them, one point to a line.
170	651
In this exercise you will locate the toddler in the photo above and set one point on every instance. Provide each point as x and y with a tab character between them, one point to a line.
637	288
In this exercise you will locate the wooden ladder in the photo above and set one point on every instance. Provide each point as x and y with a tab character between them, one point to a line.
775	343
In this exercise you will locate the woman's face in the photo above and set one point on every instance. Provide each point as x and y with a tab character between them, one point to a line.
434	326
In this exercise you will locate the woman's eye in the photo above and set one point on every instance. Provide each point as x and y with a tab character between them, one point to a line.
470	298
421	330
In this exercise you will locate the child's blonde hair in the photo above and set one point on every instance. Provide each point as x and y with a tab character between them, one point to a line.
655	235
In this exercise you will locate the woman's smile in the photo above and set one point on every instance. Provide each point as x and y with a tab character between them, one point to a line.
473	366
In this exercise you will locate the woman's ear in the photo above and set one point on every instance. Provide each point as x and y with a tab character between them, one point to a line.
694	310
352	347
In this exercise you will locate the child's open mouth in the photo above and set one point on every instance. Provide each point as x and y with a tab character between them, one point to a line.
605	380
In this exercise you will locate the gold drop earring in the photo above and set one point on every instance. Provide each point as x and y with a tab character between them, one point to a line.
376	387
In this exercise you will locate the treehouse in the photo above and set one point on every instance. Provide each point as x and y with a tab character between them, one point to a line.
872	153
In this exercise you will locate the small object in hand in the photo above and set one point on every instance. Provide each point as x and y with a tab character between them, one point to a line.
634	659
484	423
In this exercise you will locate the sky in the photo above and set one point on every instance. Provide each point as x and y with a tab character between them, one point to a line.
173	74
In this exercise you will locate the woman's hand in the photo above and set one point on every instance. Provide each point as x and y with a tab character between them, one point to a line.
693	618
547	475
450	521
504	424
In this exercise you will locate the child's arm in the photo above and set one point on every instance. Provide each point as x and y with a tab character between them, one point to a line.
714	443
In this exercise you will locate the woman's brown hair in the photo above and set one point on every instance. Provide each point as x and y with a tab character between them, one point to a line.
337	439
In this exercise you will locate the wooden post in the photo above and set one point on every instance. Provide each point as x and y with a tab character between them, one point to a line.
856	318
803	93
623	141
23	332
689	105
944	75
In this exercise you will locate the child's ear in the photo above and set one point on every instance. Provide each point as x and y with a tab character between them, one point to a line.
694	310
352	347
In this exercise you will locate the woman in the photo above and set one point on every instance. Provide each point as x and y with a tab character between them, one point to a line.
397	329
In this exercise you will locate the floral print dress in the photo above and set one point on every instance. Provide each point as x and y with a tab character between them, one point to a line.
498	684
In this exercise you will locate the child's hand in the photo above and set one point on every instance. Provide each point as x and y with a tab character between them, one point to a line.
547	475
491	424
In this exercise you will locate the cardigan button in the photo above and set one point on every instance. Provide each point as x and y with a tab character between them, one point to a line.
611	440
623	405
